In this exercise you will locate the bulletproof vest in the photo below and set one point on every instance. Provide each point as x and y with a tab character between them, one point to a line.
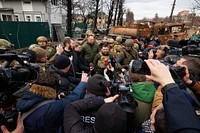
102	60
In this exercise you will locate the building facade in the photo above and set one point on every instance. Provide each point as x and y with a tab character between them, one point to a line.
23	10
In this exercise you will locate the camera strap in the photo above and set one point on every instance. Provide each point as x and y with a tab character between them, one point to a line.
26	114
193	96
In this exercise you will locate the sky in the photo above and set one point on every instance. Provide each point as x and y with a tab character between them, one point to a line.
148	8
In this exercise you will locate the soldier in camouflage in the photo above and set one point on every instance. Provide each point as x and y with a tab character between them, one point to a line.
5	45
42	42
127	54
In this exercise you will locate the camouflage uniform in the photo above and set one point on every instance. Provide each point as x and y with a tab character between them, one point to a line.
125	57
112	50
118	40
5	44
100	62
50	50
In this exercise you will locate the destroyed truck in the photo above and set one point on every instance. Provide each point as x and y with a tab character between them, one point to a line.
165	31
136	30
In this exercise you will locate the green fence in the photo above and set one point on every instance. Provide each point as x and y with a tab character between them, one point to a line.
22	34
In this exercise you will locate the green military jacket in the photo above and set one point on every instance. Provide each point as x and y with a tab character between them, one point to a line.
125	57
89	52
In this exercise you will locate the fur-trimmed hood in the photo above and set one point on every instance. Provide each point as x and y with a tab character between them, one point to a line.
34	95
44	91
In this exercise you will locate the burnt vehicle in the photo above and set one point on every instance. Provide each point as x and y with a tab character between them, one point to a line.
135	30
167	31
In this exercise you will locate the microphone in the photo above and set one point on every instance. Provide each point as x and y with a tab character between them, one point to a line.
110	63
105	62
90	72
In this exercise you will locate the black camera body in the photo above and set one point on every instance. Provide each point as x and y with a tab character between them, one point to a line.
139	66
123	89
12	80
191	49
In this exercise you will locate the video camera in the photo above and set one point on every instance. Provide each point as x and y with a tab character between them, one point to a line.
191	49
125	100
15	74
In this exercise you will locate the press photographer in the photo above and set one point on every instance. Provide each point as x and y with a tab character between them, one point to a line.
188	83
16	74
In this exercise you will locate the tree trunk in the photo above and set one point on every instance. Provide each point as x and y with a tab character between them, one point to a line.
110	15
119	12
69	18
116	9
96	15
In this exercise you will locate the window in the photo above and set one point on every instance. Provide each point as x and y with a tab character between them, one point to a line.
28	18
37	18
16	17
54	2
27	1
7	17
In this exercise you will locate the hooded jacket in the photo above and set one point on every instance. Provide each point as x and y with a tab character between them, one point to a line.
47	118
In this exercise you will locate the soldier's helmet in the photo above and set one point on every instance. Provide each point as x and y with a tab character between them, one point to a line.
32	46
119	39
41	39
5	44
89	33
129	43
110	40
136	46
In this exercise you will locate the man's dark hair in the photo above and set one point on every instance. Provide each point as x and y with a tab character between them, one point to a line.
193	65
103	44
48	78
66	40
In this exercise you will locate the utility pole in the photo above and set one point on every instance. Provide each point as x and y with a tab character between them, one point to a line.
173	6
102	15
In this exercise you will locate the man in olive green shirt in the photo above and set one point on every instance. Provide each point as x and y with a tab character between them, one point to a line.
89	50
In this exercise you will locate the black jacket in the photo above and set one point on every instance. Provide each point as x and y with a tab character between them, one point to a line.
78	61
180	114
73	69
72	115
65	85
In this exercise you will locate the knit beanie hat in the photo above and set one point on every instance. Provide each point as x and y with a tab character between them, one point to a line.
40	52
62	61
95	85
110	118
